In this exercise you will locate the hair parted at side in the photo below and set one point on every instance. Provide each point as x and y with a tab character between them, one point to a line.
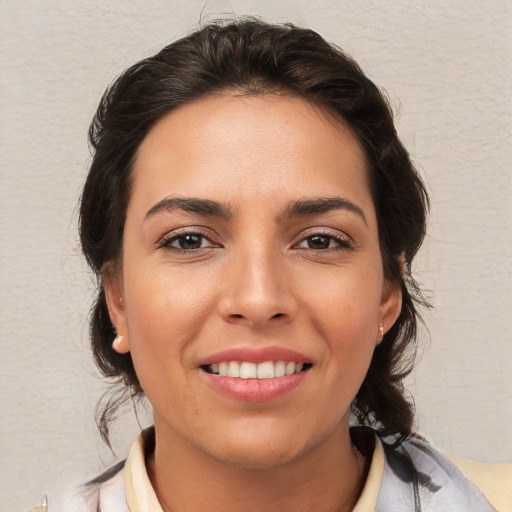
253	57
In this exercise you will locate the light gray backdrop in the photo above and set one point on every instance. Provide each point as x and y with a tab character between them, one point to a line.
447	68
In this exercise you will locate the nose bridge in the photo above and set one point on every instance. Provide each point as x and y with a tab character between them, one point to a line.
258	288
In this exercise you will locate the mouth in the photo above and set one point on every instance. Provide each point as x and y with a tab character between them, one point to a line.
255	374
250	370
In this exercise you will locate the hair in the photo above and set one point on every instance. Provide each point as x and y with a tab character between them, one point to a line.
251	56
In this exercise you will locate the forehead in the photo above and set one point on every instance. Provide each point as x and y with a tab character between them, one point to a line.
238	145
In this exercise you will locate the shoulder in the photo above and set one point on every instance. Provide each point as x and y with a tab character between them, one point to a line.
421	475
127	481
105	493
494	480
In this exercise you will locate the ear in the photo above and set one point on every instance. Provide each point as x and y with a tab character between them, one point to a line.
390	308
113	286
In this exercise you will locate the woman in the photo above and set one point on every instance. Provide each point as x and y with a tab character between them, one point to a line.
252	218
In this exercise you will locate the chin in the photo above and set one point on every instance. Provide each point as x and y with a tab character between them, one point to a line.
257	449
250	457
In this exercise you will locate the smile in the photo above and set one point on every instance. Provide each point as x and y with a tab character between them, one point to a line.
250	370
255	373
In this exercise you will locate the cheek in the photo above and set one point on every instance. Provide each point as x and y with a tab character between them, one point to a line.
346	300
345	310
164	311
162	320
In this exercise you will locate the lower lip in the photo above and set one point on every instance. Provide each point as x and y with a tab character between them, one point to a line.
255	390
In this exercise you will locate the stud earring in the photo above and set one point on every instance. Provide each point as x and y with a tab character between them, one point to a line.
381	333
120	345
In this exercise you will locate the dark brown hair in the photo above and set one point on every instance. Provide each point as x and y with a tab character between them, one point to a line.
254	57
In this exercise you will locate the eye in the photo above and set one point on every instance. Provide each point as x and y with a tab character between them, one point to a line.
187	242
323	242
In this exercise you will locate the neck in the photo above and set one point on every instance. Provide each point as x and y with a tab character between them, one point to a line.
329	477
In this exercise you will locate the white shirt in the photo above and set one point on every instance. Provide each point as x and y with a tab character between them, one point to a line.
412	478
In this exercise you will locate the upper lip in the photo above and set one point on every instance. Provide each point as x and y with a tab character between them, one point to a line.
255	355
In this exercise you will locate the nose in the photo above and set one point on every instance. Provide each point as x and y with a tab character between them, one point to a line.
258	290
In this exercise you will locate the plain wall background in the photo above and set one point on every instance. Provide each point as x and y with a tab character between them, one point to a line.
447	69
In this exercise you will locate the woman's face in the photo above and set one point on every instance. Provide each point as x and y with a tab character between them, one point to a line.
250	249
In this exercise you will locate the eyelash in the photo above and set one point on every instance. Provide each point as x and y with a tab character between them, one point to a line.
166	242
343	243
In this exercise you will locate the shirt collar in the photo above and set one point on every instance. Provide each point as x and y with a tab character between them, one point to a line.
141	496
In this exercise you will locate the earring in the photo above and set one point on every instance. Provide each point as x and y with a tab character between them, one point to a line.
381	331
119	345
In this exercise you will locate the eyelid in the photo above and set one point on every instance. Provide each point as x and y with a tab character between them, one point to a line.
165	240
344	240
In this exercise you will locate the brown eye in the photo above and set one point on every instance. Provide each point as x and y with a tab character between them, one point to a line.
324	242
319	242
187	242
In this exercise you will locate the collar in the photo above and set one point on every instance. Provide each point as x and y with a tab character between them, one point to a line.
141	496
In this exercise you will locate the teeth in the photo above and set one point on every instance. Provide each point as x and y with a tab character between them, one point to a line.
233	369
223	369
280	369
247	370
266	370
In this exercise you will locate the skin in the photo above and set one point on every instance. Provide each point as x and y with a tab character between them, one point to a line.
258	277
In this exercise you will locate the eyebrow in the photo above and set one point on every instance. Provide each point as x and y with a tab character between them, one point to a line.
305	206
311	206
191	204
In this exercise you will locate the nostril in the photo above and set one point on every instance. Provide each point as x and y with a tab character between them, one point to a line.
277	315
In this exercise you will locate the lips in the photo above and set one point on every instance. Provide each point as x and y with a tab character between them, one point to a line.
255	355
255	374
